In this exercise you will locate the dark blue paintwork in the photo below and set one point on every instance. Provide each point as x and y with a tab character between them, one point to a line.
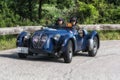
51	45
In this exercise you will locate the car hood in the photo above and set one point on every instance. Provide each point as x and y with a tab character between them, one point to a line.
43	37
50	31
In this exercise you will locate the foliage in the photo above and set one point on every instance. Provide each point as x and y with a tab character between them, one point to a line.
88	13
37	12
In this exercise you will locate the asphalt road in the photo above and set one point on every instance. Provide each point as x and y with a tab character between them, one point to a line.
105	66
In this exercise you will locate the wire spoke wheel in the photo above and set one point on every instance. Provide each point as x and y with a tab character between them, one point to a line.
68	53
93	52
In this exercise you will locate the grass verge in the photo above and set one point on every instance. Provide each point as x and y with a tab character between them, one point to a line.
7	42
109	35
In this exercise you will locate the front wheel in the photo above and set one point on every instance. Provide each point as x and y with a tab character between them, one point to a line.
93	52
21	55
69	52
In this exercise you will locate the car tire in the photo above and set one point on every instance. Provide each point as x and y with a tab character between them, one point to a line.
21	55
69	52
93	52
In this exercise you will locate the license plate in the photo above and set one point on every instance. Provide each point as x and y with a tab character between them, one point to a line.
23	50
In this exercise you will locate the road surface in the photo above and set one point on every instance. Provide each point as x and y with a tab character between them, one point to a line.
105	66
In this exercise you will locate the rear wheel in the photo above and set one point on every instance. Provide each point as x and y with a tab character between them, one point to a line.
93	52
21	55
69	52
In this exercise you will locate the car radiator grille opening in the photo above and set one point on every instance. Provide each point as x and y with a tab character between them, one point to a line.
36	41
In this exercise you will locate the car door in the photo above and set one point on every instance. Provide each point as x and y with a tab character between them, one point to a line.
79	40
82	41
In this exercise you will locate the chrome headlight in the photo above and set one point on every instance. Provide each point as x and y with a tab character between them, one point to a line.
27	37
57	37
44	37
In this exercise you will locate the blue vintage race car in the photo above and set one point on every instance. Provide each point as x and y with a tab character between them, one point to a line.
59	42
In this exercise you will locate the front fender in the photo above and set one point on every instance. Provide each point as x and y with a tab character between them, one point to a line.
65	41
20	37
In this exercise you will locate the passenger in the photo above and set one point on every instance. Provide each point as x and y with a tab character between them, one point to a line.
77	27
73	21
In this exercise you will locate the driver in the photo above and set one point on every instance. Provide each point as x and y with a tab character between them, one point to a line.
59	22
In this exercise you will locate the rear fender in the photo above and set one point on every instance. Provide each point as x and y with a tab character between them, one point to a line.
91	37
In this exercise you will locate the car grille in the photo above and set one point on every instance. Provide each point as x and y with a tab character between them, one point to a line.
36	41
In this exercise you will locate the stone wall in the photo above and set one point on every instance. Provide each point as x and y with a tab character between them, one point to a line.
17	30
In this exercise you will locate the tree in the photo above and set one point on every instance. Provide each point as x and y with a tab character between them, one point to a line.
87	13
24	8
41	2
